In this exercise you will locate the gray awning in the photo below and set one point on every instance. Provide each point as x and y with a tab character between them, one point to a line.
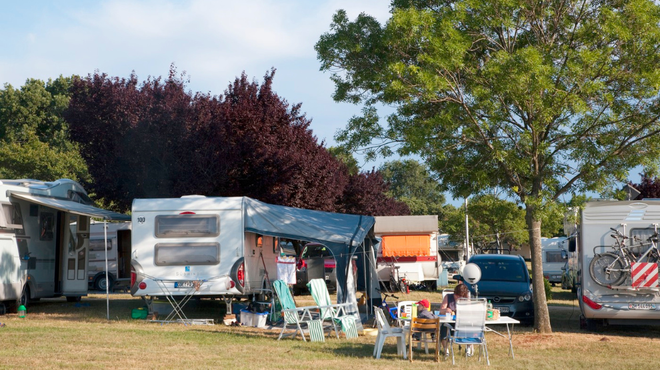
72	207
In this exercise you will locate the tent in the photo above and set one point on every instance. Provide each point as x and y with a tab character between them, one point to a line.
346	235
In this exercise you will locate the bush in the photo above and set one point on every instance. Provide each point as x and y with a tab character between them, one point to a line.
548	289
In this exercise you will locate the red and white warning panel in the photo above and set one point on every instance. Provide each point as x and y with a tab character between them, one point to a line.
644	274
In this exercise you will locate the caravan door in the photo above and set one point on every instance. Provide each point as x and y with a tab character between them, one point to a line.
73	247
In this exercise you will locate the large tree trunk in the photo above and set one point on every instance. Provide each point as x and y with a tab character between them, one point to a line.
541	313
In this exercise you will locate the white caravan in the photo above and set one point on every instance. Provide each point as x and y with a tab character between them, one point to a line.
118	255
554	258
622	302
411	244
224	247
41	254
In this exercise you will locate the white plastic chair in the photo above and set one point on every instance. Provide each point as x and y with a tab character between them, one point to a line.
404	313
470	326
385	331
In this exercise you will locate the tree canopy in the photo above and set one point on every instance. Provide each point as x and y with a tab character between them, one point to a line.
34	139
411	183
155	139
535	98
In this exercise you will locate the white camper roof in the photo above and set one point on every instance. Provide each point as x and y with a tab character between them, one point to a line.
408	224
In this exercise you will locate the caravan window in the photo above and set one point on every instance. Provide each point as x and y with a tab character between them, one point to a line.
553	256
184	254
11	216
187	226
98	245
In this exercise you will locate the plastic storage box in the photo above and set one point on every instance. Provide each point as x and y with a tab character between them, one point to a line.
246	318
259	319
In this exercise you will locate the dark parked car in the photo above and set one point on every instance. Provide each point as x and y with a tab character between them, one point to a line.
506	283
315	262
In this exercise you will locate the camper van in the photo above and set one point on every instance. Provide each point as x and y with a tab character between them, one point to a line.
554	256
114	246
409	244
226	246
44	238
631	299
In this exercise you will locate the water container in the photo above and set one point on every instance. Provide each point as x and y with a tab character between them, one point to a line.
21	311
413	311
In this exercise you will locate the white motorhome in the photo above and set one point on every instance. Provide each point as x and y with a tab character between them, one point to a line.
622	303
411	244
554	256
117	255
41	254
227	246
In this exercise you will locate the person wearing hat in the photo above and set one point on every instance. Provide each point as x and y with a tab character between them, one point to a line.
423	310
424	313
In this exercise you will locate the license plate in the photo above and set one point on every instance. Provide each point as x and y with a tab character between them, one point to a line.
183	284
642	306
556	276
502	309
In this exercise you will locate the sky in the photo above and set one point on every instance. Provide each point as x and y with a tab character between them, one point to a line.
212	41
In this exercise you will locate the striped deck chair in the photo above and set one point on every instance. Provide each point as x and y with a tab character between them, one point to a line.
296	315
335	313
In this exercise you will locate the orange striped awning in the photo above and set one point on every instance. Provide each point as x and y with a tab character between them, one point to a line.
406	245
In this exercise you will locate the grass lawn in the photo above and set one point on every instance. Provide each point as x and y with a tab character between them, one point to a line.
58	334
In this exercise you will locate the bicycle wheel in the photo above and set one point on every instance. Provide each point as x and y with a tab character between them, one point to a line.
607	269
394	286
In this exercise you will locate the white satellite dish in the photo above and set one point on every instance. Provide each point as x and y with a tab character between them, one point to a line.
471	273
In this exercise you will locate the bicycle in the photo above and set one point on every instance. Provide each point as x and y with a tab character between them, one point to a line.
613	268
392	310
397	283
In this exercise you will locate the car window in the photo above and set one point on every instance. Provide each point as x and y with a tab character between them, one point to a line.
502	270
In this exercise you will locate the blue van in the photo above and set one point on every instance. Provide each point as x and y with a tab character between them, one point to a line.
506	283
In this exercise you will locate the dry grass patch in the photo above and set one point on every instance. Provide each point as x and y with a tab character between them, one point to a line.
58	334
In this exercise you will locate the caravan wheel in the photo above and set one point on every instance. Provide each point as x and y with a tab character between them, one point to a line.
101	283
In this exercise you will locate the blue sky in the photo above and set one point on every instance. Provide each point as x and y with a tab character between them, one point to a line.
212	41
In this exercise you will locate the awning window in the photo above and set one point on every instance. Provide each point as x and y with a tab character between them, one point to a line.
406	245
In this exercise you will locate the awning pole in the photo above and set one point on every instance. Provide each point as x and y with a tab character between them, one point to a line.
107	281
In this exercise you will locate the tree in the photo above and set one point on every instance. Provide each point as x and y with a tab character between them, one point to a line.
534	98
34	137
649	186
154	139
366	194
411	183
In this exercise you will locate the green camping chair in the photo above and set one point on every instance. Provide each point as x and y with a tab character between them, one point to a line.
296	315
335	313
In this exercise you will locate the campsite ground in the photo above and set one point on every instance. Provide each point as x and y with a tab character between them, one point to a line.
58	334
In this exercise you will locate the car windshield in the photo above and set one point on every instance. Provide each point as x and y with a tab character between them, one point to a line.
501	270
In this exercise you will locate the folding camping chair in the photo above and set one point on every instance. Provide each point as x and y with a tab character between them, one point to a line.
332	312
470	326
296	315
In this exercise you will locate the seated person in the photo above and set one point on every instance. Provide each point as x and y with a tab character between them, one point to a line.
424	313
448	306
